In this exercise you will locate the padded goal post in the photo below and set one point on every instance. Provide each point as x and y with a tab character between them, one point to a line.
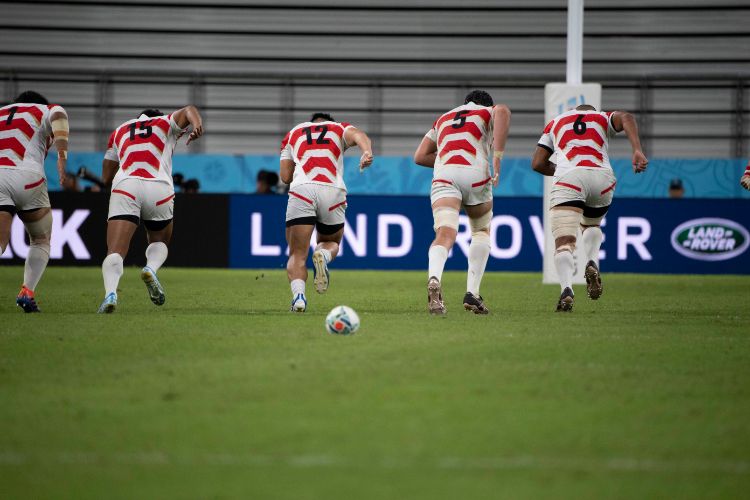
558	98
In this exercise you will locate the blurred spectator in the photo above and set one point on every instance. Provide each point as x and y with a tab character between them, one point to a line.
266	182
676	189
178	179
70	183
191	186
96	183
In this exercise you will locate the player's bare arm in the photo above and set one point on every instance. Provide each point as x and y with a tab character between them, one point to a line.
109	169
60	132
501	127
622	120
540	162
189	115
354	136
286	171
426	153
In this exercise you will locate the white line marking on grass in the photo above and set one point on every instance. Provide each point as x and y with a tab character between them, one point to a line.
522	462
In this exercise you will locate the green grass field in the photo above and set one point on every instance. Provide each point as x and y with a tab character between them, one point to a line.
222	393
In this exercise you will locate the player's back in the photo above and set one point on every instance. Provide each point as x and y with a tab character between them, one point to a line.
25	135
463	137
580	138
317	149
144	148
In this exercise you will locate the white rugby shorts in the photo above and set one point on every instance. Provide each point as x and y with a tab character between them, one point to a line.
23	189
147	200
470	185
317	204
595	187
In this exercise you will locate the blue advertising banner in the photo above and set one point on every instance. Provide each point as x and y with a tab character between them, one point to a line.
640	235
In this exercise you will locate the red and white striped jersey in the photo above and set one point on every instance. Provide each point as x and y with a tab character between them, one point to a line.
463	137
26	135
317	149
579	139
144	148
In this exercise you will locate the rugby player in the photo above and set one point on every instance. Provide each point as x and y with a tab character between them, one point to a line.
312	162
745	179
458	147
28	127
584	185
138	165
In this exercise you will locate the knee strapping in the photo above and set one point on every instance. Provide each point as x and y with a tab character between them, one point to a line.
481	237
566	247
481	223
40	231
445	217
564	223
587	221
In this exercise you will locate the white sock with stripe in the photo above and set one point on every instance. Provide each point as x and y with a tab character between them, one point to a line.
564	264
437	257
298	286
156	254
111	271
592	242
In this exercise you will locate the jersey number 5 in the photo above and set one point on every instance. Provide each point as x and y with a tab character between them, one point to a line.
460	118
323	129
144	127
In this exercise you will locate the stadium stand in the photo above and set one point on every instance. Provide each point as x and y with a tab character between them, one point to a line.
256	68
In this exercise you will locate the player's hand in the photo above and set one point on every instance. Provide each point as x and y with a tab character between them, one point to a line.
496	165
62	163
745	181
197	132
365	161
640	162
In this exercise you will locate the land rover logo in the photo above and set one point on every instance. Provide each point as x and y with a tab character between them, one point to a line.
710	239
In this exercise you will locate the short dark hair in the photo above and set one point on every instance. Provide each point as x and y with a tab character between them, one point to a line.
479	97
151	113
31	97
585	107
322	116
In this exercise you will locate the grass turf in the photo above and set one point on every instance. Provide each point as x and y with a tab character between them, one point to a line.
222	393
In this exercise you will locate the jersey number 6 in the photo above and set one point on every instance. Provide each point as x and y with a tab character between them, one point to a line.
579	126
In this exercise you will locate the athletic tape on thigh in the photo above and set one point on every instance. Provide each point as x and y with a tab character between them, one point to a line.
40	229
564	223
445	217
480	223
588	221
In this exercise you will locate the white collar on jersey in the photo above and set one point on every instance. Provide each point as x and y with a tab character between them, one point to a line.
144	117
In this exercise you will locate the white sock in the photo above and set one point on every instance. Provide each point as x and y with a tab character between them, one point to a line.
298	286
564	264
156	254
437	255
592	241
326	253
479	252
111	271
36	263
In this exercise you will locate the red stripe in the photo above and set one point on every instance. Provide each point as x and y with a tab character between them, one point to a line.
584	151
162	202
18	124
468	127
4	160
152	139
565	184
162	124
292	193
331	146
457	160
458	145
591	134
13	144
34	184
32	110
319	162
442	180
141	172
587	117
482	183
124	193
141	157
610	188
587	163
337	205
333	128
322	178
